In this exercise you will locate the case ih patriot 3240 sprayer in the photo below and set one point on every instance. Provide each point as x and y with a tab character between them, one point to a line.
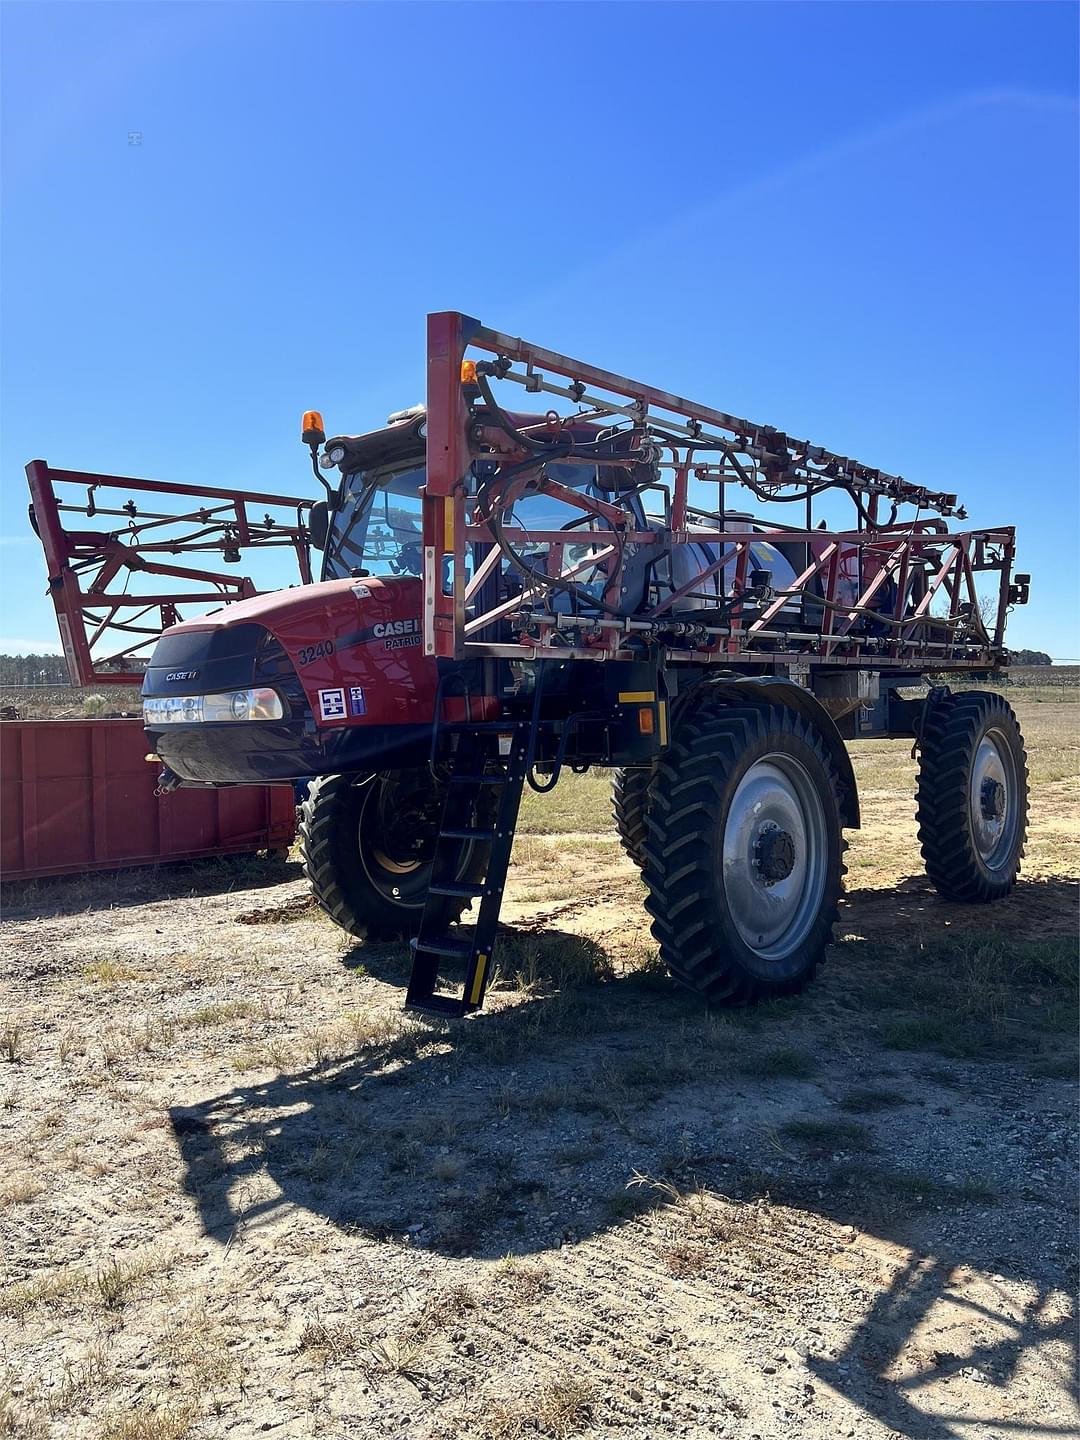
513	585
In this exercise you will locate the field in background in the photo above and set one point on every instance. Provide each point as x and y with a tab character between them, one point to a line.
67	702
1038	683
243	1194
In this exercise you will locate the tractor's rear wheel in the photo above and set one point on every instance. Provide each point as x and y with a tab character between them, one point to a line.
744	856
972	797
367	844
629	798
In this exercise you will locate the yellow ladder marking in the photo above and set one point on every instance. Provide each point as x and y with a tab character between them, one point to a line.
478	979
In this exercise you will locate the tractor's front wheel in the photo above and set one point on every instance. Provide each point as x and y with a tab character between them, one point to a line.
972	796
367	845
744	856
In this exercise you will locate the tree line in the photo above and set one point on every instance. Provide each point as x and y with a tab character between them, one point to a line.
33	670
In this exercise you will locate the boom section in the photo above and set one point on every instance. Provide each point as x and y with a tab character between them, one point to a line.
114	548
656	553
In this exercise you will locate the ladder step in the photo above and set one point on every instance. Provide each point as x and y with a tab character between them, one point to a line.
488	835
451	1005
463	890
443	945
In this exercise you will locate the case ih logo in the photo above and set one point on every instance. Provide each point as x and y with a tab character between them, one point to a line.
396	627
180	675
395	634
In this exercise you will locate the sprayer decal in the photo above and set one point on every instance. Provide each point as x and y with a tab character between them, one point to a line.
332	704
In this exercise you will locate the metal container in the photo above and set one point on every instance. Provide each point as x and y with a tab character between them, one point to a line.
78	795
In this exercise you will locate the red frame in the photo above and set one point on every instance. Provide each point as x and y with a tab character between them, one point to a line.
85	565
90	569
887	549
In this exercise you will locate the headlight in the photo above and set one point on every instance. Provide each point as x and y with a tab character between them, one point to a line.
258	704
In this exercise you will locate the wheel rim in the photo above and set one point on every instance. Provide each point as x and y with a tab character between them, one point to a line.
775	856
401	878
992	801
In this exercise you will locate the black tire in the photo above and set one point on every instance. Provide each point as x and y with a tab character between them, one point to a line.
715	851
972	796
366	889
629	792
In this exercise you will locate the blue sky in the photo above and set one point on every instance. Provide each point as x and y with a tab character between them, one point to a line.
854	221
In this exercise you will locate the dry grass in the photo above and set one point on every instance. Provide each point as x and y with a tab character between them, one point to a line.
519	1281
114	1284
61	702
331	1343
20	1419
218	1014
108	1287
168	1423
19	1190
706	1228
13	1044
109	971
83	1380
400	1353
20	1297
533	964
199	1349
559	1409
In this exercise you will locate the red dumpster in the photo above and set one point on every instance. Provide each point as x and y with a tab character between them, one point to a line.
78	795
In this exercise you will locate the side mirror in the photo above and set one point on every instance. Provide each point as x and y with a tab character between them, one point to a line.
319	524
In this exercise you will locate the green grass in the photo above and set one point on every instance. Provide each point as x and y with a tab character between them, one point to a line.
784	1063
914	1188
870	1099
939	1033
834	1134
980	994
1056	1067
579	803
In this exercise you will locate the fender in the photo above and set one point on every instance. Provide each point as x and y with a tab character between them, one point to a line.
774	690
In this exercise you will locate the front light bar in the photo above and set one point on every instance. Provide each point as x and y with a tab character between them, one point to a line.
258	704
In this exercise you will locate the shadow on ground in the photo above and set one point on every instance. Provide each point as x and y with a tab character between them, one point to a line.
142	885
1035	907
458	1139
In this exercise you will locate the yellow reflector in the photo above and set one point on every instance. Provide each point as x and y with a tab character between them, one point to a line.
468	372
478	979
448	525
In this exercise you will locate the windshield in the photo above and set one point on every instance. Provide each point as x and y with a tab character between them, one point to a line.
377	528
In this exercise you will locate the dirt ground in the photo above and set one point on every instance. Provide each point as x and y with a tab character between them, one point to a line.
243	1194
